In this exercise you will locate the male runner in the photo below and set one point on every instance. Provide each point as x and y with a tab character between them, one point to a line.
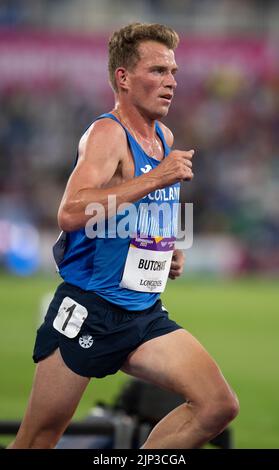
107	314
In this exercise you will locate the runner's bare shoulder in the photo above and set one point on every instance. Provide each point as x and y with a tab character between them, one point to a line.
106	135
167	133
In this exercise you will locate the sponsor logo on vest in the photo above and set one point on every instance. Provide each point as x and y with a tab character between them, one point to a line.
150	284
152	265
146	168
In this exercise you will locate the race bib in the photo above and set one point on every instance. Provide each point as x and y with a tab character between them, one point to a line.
70	317
148	263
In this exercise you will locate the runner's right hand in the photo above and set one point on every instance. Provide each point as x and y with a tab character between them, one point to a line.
176	167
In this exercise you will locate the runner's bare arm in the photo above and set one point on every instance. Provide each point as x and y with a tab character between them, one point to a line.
101	152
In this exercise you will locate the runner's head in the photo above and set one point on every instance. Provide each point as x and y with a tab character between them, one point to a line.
142	65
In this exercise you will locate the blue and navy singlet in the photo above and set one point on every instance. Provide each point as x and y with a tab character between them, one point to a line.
97	264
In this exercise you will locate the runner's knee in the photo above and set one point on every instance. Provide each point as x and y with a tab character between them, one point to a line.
217	413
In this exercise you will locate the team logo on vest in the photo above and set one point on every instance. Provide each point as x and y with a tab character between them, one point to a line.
86	341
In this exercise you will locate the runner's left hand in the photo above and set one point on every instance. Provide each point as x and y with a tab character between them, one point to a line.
177	263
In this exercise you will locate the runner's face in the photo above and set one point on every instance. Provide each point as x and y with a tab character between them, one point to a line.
152	82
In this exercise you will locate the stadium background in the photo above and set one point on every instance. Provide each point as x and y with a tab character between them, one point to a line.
52	85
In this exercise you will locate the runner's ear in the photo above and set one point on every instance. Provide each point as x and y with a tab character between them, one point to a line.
121	77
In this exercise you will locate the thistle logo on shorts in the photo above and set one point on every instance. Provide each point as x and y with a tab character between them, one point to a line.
86	341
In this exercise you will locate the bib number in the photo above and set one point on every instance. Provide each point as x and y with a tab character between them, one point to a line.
70	317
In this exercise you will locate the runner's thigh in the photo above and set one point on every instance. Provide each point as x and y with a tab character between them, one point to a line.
178	362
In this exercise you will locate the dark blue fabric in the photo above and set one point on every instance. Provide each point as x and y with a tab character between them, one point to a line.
116	332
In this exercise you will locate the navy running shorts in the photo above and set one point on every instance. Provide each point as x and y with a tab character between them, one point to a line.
95	336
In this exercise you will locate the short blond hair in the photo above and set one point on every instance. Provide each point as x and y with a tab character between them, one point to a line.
123	44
